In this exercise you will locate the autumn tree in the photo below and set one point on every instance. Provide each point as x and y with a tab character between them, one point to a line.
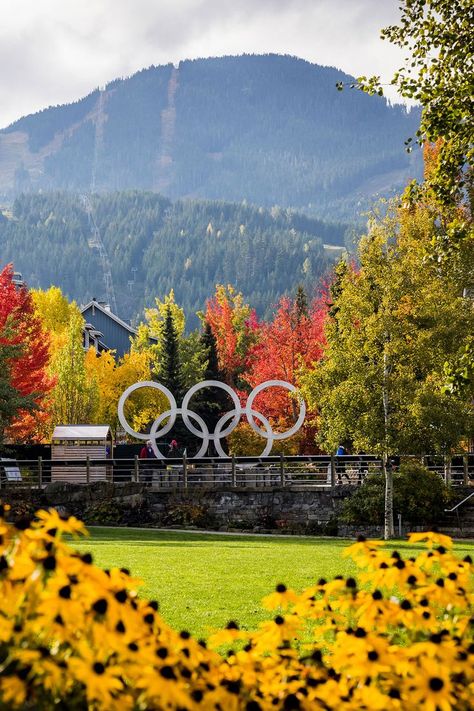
235	328
150	339
53	308
292	339
392	323
289	344
11	400
438	73
24	356
112	378
75	397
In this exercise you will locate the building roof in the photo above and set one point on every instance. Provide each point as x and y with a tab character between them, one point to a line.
81	432
112	333
108	313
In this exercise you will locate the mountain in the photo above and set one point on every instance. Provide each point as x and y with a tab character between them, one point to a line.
144	244
267	129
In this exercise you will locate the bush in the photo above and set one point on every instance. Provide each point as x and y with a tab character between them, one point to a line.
113	513
419	495
75	637
188	514
244	442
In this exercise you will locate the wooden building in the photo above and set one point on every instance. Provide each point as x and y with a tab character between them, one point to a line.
77	442
104	330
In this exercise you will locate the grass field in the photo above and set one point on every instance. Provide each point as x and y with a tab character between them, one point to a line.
204	580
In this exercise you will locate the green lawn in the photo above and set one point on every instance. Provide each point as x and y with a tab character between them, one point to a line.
204	580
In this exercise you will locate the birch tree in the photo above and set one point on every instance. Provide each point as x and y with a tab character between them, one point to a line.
393	322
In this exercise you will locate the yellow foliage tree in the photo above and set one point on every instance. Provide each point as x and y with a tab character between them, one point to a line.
112	378
53	308
74	397
153	328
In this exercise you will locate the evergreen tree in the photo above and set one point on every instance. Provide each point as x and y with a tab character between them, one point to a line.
170	374
158	247
213	402
301	303
208	341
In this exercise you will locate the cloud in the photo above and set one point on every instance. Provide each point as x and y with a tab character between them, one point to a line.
55	51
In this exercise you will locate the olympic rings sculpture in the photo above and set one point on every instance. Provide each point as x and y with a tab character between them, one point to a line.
222	429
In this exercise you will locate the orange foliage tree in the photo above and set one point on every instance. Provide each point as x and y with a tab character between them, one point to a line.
21	332
292	341
236	330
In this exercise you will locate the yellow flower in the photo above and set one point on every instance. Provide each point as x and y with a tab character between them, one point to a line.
362	549
361	654
282	597
13	691
51	520
227	636
431	538
102	682
431	689
164	688
273	633
397	638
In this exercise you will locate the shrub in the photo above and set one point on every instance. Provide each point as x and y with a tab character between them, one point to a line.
75	637
188	514
113	513
419	495
243	441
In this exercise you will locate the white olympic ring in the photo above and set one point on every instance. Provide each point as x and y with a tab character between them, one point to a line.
211	384
273	384
228	415
179	411
204	434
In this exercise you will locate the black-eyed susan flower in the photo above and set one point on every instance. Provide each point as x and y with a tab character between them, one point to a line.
397	637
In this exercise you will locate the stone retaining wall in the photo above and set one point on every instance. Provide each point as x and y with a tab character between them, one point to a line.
310	511
137	504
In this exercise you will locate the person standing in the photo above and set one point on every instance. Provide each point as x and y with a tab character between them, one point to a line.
147	453
340	467
173	449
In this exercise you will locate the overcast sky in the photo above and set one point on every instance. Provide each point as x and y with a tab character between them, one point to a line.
56	51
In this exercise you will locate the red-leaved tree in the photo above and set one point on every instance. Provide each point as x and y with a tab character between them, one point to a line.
21	332
236	330
288	344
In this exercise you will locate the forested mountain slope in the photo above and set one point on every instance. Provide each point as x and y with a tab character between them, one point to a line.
154	244
272	130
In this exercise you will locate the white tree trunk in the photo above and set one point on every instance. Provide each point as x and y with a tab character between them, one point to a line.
389	529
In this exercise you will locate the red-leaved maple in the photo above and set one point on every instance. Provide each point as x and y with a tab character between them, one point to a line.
293	340
19	326
236	330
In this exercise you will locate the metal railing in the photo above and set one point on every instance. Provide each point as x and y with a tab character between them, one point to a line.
278	471
456	469
455	509
322	471
459	504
